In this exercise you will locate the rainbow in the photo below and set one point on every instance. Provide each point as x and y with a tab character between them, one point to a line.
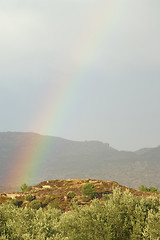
51	115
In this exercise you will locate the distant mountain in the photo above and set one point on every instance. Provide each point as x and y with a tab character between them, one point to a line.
66	159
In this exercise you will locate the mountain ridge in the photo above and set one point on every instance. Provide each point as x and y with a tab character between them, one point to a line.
76	159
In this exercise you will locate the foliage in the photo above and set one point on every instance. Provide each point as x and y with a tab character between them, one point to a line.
71	195
120	216
28	189
47	200
149	189
27	224
35	204
30	198
54	204
24	187
85	199
16	202
105	197
89	190
74	203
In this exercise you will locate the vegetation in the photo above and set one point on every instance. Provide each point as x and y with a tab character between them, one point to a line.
121	216
149	189
54	204
24	187
16	202
71	195
89	190
30	197
60	193
35	204
47	200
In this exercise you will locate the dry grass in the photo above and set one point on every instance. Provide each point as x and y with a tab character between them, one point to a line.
54	192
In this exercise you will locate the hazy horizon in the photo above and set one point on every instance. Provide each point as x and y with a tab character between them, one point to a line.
82	70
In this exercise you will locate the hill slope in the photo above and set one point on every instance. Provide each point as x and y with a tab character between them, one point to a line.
91	159
54	192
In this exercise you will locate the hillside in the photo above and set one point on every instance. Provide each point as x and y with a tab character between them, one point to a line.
61	209
54	192
65	159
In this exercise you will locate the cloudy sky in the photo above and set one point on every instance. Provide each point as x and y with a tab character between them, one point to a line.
82	70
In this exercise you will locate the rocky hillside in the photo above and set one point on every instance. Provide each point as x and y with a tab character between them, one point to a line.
55	193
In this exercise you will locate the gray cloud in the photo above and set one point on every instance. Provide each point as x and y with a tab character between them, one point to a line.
111	48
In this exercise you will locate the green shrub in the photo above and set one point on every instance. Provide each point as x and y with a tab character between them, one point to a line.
74	201
54	204
149	189
28	189
70	195
121	216
142	188
15	202
24	187
89	190
86	199
35	204
47	201
30	197
105	196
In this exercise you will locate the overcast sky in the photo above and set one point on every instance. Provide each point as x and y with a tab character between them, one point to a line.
82	70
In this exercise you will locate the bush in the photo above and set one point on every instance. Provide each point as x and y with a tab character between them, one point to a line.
54	204
24	187
70	195
47	201
89	190
149	189
74	201
28	189
30	198
122	216
105	196
15	202
85	199
35	204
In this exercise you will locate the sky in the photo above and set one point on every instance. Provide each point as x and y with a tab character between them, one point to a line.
82	70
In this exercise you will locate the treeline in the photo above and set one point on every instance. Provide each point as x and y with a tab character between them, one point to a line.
119	216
